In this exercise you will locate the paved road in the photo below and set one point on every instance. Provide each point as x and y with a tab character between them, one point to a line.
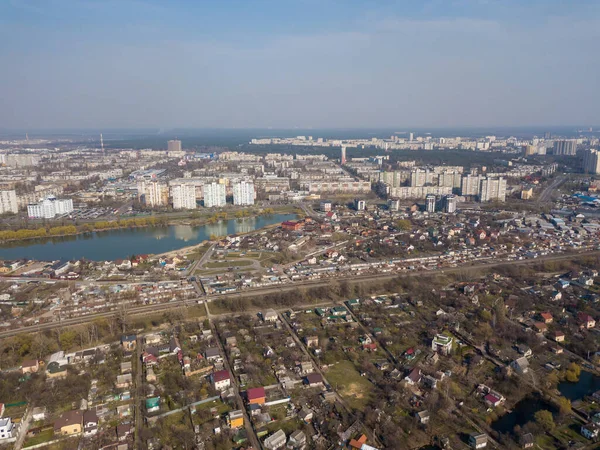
23	428
546	194
138	394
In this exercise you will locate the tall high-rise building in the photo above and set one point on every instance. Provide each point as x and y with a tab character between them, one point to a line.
184	196
530	150
153	193
591	161
411	136
566	147
49	208
430	203
470	185
174	145
343	155
243	193
8	202
450	204
214	195
492	190
360	205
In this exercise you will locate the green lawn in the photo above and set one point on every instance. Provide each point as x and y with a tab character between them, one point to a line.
39	438
221	264
353	388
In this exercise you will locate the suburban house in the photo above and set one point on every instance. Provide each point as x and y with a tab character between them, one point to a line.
276	441
520	365
297	440
546	317
558	336
69	423
314	380
590	430
493	399
221	380
585	320
235	419
124	381
90	423
38	413
413	377
527	440
7	428
30	366
152	404
129	342
256	396
478	440
270	316
311	341
423	417
306	415
212	353
442	344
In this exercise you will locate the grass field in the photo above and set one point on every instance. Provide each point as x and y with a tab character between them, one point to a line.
353	388
222	264
40	438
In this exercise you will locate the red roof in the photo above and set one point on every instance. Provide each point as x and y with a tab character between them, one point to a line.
255	393
490	398
221	375
584	317
546	316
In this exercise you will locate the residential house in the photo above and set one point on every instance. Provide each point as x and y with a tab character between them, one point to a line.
442	344
7	429
126	367
545	317
90	423
69	423
306	414
256	396
276	441
235	419
314	380
152	404
590	430
221	380
539	327
124	381
558	336
311	341
493	399
358	443
123	431
270	316
524	350
297	440
520	365
527	440
152	339
38	413
585	320
423	417
478	440
413	377
129	342
212	354
30	366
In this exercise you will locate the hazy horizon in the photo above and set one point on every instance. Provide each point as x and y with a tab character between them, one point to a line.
144	64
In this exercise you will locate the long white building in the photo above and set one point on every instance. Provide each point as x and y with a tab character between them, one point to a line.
153	193
214	195
50	208
8	202
243	193
184	196
492	189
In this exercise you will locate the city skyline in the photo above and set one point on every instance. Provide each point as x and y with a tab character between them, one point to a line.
139	64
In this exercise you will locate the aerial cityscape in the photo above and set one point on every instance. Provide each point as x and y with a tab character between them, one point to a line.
355	226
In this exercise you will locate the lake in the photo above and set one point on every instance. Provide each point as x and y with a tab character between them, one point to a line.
115	244
588	384
523	412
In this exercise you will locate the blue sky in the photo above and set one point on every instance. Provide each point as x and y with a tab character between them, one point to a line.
302	63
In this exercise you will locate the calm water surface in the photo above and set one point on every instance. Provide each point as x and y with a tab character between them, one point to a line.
115	244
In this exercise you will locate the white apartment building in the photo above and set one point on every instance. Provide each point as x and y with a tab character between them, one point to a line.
470	185
153	193
405	192
50	208
8	202
243	193
492	189
184	196
214	195
591	161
